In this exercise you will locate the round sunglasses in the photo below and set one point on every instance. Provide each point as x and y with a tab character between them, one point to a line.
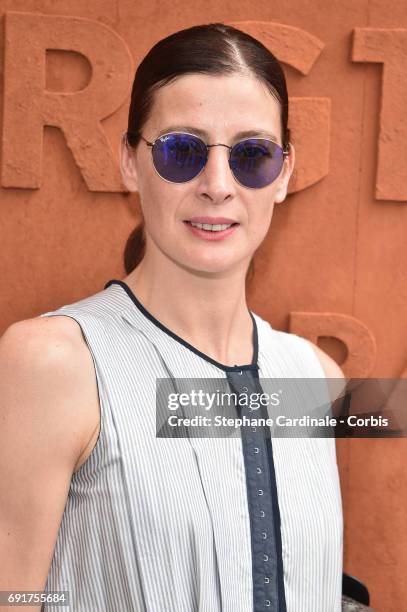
180	157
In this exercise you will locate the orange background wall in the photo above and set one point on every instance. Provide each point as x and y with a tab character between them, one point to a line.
333	267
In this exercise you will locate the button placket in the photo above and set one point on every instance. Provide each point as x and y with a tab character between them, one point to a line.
265	588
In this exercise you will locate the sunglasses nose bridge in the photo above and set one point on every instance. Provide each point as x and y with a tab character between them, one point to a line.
219	144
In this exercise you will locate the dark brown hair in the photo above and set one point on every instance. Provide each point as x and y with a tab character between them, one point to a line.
215	49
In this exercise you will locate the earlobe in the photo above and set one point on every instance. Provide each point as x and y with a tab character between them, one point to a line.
280	195
127	165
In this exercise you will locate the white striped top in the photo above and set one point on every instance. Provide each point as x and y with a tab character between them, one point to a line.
193	524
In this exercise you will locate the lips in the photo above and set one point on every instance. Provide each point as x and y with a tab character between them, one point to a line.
212	220
211	231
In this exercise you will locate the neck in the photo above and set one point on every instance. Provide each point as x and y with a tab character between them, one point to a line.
207	310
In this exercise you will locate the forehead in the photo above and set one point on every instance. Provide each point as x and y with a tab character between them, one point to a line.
215	104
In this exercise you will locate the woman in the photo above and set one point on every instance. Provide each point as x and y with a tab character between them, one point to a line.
97	503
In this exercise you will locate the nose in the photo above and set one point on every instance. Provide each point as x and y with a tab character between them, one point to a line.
216	182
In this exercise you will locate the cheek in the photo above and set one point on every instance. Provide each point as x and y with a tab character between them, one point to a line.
159	209
259	220
153	195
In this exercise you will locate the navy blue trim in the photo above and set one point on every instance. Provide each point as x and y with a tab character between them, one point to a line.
276	517
266	594
277	528
251	366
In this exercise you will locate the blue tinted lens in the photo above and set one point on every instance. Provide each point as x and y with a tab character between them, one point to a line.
179	157
256	162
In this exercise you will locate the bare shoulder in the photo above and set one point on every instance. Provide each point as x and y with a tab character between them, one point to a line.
333	371
331	368
44	349
47	358
42	338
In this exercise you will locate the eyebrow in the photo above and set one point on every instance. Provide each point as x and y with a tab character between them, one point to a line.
203	133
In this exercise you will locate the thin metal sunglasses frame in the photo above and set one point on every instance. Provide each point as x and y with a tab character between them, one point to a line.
208	146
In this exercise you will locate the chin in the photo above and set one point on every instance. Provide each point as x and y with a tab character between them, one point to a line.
210	267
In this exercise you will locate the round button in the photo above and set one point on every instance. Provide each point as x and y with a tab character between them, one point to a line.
262	513
256	449
267	603
266	580
264	535
261	491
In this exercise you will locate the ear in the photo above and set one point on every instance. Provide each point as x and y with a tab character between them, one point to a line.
289	161
128	164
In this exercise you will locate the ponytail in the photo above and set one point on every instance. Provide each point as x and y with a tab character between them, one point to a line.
135	248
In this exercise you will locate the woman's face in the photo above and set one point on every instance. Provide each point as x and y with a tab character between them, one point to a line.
221	106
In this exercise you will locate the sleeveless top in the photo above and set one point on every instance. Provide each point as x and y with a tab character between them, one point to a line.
156	524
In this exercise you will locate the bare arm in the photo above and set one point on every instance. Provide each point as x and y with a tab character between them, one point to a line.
46	390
